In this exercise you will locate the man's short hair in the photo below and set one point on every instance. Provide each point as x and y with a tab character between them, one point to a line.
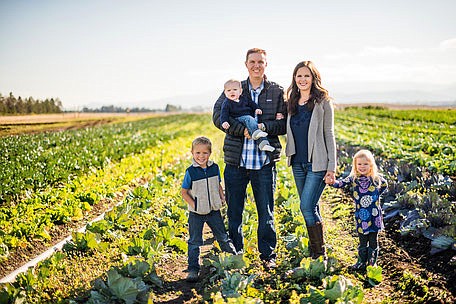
254	50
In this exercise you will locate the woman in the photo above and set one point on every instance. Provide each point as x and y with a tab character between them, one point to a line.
311	146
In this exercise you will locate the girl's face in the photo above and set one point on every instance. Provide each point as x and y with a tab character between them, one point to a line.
304	79
363	166
201	155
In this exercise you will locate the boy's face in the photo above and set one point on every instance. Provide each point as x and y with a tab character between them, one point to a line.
233	91
201	155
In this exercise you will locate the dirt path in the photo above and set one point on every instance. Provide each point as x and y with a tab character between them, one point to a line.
410	274
172	272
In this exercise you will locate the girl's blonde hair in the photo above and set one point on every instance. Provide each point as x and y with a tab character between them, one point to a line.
373	171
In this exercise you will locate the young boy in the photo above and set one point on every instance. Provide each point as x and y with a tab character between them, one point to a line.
243	110
202	191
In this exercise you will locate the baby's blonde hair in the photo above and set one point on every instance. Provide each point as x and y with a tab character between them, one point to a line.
230	81
373	171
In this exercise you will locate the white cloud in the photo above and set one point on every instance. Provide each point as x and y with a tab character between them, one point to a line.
448	44
386	50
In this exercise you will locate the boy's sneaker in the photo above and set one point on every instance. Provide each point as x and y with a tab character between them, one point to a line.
258	134
192	276
269	264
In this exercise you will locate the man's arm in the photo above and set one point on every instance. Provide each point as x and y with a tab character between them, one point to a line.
274	126
236	128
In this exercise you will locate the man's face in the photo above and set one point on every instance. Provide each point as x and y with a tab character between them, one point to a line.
256	63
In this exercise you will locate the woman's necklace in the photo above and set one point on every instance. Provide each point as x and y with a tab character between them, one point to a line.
302	101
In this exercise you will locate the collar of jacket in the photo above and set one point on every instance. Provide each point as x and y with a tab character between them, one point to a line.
245	85
195	164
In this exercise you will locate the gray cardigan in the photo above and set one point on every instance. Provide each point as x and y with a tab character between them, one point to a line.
322	142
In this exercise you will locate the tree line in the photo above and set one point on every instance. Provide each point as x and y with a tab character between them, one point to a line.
11	105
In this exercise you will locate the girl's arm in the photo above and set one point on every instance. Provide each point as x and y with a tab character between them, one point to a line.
342	182
383	185
187	197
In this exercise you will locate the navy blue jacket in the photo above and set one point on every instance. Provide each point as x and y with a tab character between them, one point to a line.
235	109
270	102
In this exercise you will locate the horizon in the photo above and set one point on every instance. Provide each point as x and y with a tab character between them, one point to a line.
146	54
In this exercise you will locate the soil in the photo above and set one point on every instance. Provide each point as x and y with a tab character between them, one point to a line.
433	283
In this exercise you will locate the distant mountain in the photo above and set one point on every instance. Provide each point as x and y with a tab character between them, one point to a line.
406	94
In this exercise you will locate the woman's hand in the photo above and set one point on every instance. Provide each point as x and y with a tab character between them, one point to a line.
330	177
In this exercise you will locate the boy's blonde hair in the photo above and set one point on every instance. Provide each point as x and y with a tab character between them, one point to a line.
373	172
202	140
230	81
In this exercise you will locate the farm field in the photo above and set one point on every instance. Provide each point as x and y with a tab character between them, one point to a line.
55	182
11	125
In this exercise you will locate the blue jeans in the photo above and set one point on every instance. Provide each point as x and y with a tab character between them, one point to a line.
195	226
249	122
310	186
263	183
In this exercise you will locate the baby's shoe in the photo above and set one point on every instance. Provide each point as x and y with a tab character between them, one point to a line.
265	146
258	134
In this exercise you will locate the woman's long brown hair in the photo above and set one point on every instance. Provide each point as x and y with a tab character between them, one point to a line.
317	92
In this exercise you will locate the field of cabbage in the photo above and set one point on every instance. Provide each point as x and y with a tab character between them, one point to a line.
54	182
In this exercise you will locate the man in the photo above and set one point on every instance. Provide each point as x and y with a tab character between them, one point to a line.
245	162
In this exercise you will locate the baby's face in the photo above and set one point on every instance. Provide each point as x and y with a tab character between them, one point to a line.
233	91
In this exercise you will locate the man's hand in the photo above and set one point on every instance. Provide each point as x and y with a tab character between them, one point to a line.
246	133
225	125
258	112
279	116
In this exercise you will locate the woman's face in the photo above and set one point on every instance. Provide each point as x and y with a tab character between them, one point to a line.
304	79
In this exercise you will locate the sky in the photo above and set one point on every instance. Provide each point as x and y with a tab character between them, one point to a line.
151	53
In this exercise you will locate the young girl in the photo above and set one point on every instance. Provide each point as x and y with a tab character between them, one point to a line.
366	185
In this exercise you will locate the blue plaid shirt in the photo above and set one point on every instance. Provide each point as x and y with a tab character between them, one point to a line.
252	157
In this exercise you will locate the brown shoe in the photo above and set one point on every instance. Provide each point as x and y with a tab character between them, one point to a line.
192	276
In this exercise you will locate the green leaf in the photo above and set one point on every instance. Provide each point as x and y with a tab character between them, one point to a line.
123	288
338	285
374	275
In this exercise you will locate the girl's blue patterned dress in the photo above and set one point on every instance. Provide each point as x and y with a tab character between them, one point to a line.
368	212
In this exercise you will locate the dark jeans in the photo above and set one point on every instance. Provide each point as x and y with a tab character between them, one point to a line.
310	186
263	183
368	240
195	226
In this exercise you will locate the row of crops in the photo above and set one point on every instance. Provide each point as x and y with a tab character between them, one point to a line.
29	214
416	151
117	259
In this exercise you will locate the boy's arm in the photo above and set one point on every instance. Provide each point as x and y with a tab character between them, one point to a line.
222	194
187	197
236	128
224	112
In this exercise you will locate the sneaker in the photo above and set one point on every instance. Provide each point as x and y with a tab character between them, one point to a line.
258	134
269	264
359	266
268	148
192	276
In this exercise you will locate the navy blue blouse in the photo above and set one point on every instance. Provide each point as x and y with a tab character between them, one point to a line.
300	127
